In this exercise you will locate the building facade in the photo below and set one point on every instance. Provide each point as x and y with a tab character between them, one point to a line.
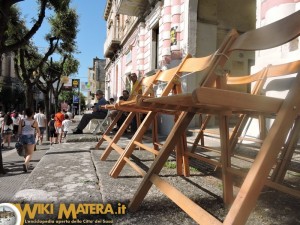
11	89
145	35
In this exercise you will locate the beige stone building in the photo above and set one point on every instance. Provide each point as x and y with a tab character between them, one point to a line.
96	79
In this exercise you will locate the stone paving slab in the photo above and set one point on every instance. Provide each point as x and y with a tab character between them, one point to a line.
66	173
15	176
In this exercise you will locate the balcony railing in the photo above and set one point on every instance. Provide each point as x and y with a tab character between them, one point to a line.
132	8
112	42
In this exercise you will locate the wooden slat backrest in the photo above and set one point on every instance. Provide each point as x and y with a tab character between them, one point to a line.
196	64
273	71
269	36
167	75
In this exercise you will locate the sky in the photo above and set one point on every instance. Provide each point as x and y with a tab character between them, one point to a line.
91	35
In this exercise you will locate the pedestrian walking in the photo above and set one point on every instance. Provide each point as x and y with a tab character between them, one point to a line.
52	130
59	118
7	130
42	122
16	120
28	127
66	125
22	115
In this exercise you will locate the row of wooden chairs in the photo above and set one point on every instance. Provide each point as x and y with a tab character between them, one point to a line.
212	97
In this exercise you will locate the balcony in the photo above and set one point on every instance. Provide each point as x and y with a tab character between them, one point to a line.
112	42
132	7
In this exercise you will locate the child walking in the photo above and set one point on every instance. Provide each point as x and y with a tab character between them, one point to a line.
66	125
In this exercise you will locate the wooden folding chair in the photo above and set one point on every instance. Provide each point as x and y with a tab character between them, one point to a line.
223	103
207	65
147	84
169	78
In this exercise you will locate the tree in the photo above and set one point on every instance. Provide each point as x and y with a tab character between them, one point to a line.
68	66
35	69
9	45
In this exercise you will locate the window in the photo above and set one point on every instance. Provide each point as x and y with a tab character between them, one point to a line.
155	47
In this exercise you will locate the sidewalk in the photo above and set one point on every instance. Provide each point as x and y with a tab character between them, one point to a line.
15	176
71	172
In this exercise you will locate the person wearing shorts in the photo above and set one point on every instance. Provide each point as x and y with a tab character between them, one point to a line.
42	122
59	118
28	127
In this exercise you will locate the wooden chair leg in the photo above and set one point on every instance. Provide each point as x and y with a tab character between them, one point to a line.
200	135
117	136
225	160
259	172
108	130
287	153
179	127
117	168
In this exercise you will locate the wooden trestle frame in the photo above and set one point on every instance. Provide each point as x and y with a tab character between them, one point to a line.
219	101
205	65
173	86
147	84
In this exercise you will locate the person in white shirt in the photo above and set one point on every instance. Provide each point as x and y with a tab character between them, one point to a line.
66	125
16	120
42	122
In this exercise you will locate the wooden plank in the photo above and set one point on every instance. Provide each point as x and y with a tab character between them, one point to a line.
181	99
269	36
225	160
117	136
117	168
155	152
199	214
275	185
204	159
178	128
235	101
108	130
287	153
272	71
196	64
257	176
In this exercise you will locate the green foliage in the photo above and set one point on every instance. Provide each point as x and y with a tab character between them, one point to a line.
71	65
66	96
60	5
15	29
64	26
